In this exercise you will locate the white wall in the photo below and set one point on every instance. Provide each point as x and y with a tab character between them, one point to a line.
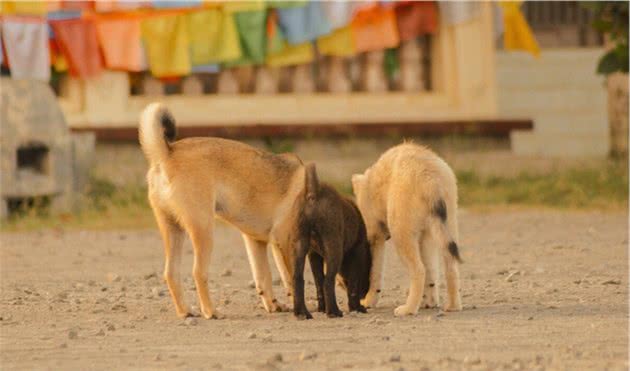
564	96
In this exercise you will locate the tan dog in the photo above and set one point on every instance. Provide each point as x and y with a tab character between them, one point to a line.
410	194
192	180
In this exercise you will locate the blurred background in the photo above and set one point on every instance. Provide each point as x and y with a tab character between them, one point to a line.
527	101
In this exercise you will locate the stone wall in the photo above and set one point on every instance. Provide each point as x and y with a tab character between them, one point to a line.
564	96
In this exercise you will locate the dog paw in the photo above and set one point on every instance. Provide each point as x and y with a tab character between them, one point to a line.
403	310
359	309
185	315
369	301
211	314
429	303
453	307
303	315
334	314
279	307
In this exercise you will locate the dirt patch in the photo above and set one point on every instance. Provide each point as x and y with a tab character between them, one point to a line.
541	290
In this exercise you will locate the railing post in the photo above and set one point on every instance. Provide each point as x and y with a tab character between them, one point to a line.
152	86
227	83
337	78
303	81
192	85
373	78
410	57
267	80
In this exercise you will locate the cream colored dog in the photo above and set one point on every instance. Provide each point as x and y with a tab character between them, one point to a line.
410	194
192	180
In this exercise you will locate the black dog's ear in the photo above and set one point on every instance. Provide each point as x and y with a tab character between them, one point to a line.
311	182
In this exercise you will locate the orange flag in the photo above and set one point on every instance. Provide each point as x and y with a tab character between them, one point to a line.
120	40
79	44
374	28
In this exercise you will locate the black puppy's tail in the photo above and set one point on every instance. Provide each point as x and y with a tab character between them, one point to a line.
311	182
439	216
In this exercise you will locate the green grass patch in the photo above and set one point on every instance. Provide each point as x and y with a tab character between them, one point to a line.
589	188
106	206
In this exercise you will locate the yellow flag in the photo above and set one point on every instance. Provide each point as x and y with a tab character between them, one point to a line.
338	43
25	7
166	42
213	36
291	55
517	34
234	6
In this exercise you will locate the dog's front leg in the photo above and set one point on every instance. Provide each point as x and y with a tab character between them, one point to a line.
376	275
409	253
283	269
299	306
173	238
333	263
201	237
317	267
257	254
354	303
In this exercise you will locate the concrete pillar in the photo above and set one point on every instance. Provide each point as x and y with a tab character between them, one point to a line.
410	59
373	78
71	94
107	97
303	82
227	83
245	78
192	85
152	86
267	80
337	76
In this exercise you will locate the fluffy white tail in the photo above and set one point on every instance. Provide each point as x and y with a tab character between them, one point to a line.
156	132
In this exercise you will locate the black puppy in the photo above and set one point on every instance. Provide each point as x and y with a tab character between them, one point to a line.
330	231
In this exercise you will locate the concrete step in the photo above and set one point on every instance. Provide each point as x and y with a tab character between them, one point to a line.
531	102
561	123
568	145
547	78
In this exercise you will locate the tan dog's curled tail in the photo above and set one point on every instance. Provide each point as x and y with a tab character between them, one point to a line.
156	132
311	182
440	229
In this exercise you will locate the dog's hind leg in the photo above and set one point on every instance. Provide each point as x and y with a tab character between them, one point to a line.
173	238
285	273
299	306
405	235
333	264
317	267
430	252
451	270
257	254
201	236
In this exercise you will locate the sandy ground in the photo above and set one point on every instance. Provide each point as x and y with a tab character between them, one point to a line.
542	290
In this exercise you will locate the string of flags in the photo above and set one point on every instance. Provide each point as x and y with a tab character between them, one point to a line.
176	38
